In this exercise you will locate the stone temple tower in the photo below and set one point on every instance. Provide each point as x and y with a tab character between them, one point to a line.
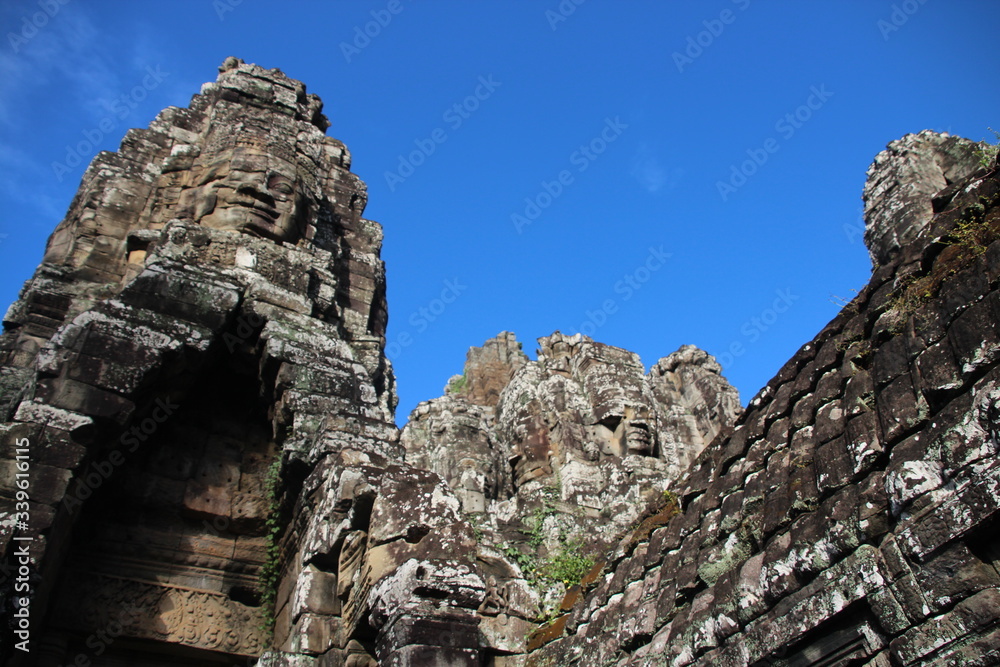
194	382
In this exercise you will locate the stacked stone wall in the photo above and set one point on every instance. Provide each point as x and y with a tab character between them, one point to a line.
851	515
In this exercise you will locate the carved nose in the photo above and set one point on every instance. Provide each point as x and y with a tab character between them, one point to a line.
256	189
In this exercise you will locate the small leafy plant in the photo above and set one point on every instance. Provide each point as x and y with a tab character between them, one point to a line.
986	152
971	233
568	564
270	572
457	384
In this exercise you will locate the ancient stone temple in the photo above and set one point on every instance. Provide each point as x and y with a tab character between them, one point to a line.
201	464
196	370
850	515
554	459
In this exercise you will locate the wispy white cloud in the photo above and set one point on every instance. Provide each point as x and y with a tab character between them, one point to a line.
71	60
70	53
651	173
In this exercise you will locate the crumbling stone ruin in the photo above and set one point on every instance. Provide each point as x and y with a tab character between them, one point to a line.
201	464
197	366
849	517
575	448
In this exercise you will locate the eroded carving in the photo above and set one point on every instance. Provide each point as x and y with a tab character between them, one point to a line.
165	613
249	190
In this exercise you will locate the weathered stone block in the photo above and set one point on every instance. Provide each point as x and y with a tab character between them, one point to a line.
859	393
830	594
830	422
952	517
777	436
86	399
314	635
804	410
834	468
873	507
207	501
935	637
974	336
890	360
900	408
953	574
45	484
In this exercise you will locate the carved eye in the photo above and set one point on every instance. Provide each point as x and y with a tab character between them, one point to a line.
280	187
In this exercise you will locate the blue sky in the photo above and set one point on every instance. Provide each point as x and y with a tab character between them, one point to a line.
653	174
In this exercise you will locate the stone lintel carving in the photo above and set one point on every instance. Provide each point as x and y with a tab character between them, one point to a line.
144	610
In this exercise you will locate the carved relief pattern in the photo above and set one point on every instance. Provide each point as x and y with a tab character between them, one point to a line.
496	600
196	618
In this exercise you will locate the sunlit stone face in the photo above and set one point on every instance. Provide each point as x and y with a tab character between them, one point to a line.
247	190
638	439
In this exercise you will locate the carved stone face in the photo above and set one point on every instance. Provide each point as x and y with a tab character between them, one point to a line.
638	439
245	189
